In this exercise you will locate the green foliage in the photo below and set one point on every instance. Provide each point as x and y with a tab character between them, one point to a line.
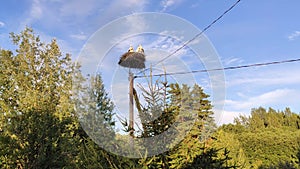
40	115
94	157
189	111
95	111
268	138
280	165
261	118
271	146
231	143
157	117
195	123
209	160
36	118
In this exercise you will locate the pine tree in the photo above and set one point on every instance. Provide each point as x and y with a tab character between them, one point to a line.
157	117
188	111
196	123
95	111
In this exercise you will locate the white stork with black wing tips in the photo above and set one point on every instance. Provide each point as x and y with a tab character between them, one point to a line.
140	49
133	59
130	49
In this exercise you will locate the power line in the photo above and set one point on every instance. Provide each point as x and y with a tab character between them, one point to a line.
196	36
226	68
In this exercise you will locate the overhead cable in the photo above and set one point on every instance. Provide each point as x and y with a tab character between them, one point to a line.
196	36
226	68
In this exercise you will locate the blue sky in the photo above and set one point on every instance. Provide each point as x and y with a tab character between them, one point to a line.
253	32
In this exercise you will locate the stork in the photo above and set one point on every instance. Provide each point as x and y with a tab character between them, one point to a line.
132	59
130	49
140	49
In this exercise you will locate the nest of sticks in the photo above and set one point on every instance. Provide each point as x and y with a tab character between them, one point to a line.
132	60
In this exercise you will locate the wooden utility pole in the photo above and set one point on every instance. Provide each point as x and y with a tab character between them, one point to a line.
135	60
131	114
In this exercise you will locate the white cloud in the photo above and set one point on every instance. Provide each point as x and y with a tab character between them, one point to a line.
36	9
136	23
228	116
76	14
264	77
232	61
35	13
279	97
132	25
195	5
268	86
169	3
80	36
74	21
78	8
138	4
2	24
168	42
118	8
156	48
119	92
294	35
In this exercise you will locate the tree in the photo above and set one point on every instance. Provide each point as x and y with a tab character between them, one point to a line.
280	165
186	109
261	118
268	138
196	124
209	159
95	111
157	116
36	117
230	142
39	127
